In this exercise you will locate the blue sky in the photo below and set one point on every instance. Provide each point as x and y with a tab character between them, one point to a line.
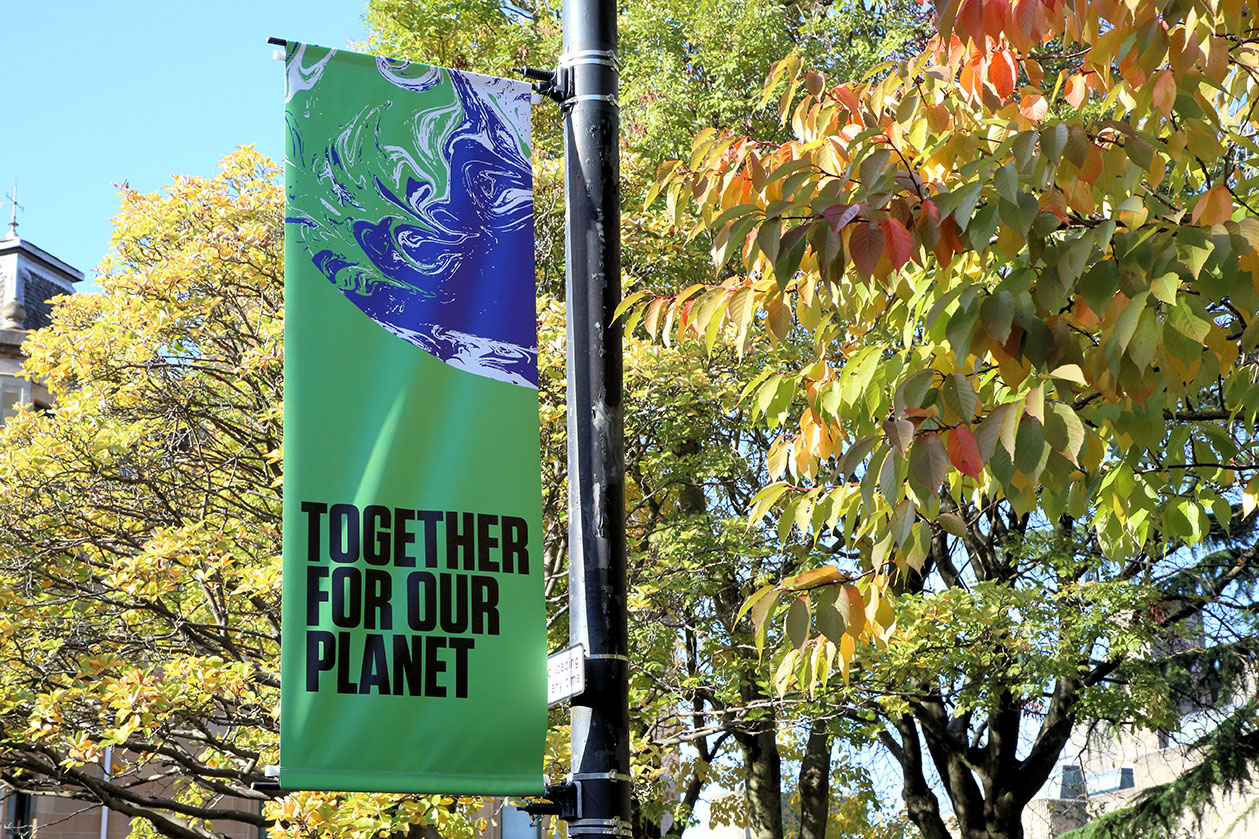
95	93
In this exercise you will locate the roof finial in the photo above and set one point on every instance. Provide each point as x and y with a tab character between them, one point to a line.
12	199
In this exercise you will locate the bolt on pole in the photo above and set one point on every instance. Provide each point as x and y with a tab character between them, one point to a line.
597	580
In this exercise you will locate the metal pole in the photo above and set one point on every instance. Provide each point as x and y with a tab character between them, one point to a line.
596	470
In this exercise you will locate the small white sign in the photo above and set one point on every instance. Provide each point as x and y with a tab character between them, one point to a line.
565	674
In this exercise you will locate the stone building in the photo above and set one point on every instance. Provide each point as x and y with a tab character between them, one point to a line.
29	278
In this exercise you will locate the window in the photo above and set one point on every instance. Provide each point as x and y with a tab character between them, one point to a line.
10	397
19	816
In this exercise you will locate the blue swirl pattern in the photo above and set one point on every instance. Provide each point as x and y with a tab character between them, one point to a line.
423	216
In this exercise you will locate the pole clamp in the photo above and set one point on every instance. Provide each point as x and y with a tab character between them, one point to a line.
600	776
605	58
600	827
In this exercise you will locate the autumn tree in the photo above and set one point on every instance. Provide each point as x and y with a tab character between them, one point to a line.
139	532
699	703
1025	263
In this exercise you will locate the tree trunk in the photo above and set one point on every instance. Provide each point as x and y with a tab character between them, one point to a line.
815	786
762	778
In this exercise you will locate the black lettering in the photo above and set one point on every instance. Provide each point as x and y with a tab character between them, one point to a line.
461	647
376	534
319	657
343	533
421	601
344	685
375	672
454	603
314	592
433	665
347	597
314	510
484	605
460	542
515	541
431	519
402	537
484	542
407	660
378	589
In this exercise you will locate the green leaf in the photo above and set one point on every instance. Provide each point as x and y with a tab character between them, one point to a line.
872	168
1030	450
983	226
953	524
1145	340
1126	324
967	198
1006	182
1064	430
761	592
959	396
798	621
913	391
997	315
1019	214
764	500
762	611
831	619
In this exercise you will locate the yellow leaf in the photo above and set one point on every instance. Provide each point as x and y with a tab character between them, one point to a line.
1214	207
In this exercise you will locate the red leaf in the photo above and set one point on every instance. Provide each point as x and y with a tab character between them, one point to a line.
837	215
684	320
900	244
995	13
866	245
1002	73
1034	107
963	451
970	20
928	224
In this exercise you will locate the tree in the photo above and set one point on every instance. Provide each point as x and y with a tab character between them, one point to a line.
139	531
1023	262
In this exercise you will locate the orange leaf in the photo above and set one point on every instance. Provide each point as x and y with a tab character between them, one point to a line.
1053	201
1023	17
900	245
1002	72
1034	107
1214	207
866	246
1093	165
1077	90
970	20
963	451
971	78
1035	73
1164	95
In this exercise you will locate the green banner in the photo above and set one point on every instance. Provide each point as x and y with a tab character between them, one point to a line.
414	640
